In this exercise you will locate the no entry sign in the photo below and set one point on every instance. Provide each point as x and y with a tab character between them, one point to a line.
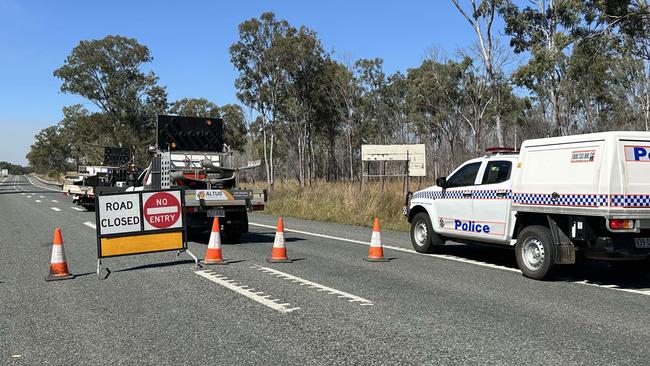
162	210
139	222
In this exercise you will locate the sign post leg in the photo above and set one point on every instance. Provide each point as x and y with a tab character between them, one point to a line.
99	267
196	260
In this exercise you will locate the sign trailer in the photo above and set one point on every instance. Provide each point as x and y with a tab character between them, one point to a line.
140	222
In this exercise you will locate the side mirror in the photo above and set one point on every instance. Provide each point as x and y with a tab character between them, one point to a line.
441	182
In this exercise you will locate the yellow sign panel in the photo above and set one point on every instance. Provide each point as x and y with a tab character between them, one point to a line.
141	244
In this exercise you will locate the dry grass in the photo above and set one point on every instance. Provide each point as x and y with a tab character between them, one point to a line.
341	202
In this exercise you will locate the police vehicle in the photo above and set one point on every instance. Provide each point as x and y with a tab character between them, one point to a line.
557	196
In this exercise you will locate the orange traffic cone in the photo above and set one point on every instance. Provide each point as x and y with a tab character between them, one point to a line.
58	264
279	252
213	253
376	252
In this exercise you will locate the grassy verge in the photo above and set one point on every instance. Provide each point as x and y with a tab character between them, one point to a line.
341	202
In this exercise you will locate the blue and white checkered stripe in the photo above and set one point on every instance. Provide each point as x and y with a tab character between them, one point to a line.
575	200
479	194
630	200
580	200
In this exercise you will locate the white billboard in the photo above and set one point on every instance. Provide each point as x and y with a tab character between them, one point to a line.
416	155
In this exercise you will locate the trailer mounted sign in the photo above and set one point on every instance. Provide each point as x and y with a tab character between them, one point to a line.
140	222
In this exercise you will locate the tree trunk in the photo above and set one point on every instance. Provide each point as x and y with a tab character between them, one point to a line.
272	176
555	113
499	128
350	152
266	160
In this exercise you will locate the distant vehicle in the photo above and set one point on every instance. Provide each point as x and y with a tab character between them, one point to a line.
189	153
118	173
4	172
587	193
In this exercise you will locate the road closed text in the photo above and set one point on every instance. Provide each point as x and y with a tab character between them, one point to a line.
120	221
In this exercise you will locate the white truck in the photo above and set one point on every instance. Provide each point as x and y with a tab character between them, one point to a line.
587	193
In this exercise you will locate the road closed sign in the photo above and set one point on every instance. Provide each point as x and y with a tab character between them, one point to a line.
162	210
139	222
119	214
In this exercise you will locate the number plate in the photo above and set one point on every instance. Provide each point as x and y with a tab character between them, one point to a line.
216	212
642	242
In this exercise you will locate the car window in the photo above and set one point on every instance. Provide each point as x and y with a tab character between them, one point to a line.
497	171
465	176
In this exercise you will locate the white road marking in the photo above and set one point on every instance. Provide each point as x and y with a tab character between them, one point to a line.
90	225
41	197
245	291
451	257
55	209
614	287
443	256
55	201
37	186
310	284
77	208
29	196
38	201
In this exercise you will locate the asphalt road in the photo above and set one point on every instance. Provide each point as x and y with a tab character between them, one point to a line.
467	306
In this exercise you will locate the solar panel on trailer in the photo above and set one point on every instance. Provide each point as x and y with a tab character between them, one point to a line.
190	133
116	156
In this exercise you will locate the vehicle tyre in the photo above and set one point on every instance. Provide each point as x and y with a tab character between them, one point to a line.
631	268
536	252
423	238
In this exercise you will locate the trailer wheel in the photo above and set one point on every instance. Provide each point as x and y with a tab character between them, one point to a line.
423	238
536	252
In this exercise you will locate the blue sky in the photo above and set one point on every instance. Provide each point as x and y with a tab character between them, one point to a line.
189	41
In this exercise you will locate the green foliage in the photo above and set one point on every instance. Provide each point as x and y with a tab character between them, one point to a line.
49	153
14	169
108	73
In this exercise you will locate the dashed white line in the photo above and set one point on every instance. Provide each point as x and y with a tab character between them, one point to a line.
451	258
318	286
38	201
41	197
55	201
90	225
246	291
443	256
28	196
55	209
77	208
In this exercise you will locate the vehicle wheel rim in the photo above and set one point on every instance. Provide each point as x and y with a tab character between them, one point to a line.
533	254
420	233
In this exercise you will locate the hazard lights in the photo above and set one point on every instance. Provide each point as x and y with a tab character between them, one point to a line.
140	222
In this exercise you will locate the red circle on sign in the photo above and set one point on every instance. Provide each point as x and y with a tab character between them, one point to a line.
162	210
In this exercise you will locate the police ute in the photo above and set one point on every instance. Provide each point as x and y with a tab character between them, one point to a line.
588	194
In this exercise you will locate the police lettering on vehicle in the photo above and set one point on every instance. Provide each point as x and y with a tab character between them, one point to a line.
637	153
471	226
